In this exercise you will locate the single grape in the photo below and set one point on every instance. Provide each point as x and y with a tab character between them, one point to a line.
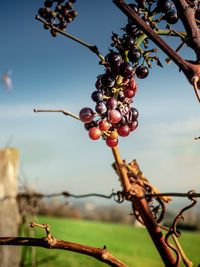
68	5
123	130
86	115
54	33
171	17
111	142
135	113
164	5
97	96
133	125
126	69
131	29
134	55
122	121
98	84
114	59
41	12
142	72
94	133
101	108
128	42
104	125
114	116
107	80
134	7
111	103
129	92
73	13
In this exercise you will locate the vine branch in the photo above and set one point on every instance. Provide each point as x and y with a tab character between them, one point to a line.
50	242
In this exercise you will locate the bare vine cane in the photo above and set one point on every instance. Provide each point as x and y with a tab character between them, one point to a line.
141	205
50	242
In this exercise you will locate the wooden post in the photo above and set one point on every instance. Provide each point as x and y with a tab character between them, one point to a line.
9	214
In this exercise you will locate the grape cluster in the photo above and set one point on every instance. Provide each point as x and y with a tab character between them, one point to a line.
115	89
58	13
129	57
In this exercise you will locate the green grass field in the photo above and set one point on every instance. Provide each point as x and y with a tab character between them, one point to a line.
129	244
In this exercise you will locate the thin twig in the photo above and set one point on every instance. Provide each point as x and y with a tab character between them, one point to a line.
92	48
64	111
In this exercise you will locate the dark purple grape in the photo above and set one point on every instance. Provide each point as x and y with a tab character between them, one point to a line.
63	25
89	125
68	5
54	33
142	72
101	108
131	29
111	103
164	5
133	125
114	59
126	69
123	121
107	80
86	115
73	13
134	55
135	113
134	7
171	17
97	96
98	84
41	12
128	42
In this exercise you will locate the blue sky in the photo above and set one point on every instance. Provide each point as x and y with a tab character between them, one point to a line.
55	151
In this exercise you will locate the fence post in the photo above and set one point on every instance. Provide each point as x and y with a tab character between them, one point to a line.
9	214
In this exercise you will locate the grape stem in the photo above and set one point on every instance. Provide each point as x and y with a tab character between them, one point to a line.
92	48
134	194
64	111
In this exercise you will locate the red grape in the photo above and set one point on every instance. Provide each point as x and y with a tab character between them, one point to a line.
123	130
128	92
104	125
94	133
114	116
111	142
86	115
